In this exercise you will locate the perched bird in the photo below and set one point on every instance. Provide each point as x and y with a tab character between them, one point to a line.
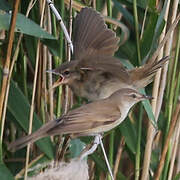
99	78
95	73
88	120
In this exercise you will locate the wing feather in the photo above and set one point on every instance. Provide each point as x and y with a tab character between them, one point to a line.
91	35
88	118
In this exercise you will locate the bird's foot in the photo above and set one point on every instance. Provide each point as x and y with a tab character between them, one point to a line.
92	148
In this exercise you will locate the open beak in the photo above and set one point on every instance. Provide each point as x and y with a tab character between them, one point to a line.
58	82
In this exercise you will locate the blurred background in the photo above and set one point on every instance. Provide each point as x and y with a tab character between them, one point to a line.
146	145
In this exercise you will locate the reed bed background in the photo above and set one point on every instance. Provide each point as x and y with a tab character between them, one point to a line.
137	149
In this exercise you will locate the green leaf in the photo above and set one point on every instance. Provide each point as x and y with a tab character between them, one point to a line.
157	32
24	25
129	132
127	63
76	147
148	35
127	51
140	3
5	174
148	108
19	107
53	46
177	176
4	5
128	16
99	161
152	5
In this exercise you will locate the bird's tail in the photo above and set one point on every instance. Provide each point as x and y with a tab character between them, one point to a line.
40	133
143	75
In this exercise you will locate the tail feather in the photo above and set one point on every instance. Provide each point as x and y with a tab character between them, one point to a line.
40	133
142	76
22	142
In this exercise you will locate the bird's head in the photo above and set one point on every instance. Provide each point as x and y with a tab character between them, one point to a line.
128	97
66	74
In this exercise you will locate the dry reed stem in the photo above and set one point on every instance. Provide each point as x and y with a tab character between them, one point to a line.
118	157
143	24
151	130
19	175
39	81
32	107
175	148
33	93
8	55
50	81
166	145
68	93
11	70
178	160
167	36
167	52
94	4
58	16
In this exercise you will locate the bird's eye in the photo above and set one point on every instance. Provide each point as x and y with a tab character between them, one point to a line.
66	72
133	95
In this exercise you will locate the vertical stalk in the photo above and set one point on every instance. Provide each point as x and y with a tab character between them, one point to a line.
33	94
109	11
5	84
138	153
171	95
175	151
68	94
137	30
172	90
61	44
151	130
112	135
166	144
49	66
9	77
8	55
138	147
177	90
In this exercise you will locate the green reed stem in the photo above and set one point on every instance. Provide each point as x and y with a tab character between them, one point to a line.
170	105
61	41
112	135
138	147
137	30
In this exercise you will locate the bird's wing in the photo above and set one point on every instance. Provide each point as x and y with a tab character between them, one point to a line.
87	118
105	64
91	35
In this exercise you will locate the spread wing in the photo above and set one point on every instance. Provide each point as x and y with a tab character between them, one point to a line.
105	64
88	119
91	35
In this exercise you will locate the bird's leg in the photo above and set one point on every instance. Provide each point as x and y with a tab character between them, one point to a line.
93	148
97	141
105	156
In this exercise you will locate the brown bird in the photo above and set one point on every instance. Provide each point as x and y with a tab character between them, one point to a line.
88	120
94	73
98	78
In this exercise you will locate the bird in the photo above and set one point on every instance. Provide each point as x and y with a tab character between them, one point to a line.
94	73
99	78
88	120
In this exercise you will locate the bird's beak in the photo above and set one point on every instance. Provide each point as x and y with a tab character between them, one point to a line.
59	81
147	97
